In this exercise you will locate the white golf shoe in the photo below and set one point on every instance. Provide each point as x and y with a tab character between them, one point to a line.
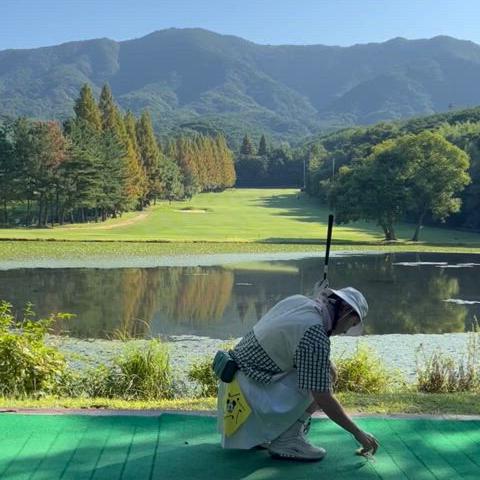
292	445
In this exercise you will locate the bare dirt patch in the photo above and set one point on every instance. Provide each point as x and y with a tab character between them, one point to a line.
123	223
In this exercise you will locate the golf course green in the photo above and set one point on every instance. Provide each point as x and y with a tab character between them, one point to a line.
237	215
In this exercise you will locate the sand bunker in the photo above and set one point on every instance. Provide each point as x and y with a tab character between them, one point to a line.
198	210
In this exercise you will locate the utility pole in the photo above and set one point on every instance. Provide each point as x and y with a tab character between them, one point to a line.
304	174
333	179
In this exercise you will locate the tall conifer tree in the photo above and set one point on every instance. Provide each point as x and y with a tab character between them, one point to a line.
137	185
247	146
86	109
115	137
228	165
8	173
110	114
262	147
150	154
185	160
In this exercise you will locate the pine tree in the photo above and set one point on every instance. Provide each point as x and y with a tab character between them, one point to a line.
228	165
115	134
198	158
110	114
86	109
171	150
171	181
8	173
82	173
114	171
262	147
39	149
137	184
150	155
210	164
247	146
185	160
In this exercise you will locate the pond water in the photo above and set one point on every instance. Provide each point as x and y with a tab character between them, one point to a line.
407	293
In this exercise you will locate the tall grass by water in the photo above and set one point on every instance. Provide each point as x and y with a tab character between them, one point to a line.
29	368
440	373
137	373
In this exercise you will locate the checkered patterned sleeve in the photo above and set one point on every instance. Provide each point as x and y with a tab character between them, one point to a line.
252	359
312	359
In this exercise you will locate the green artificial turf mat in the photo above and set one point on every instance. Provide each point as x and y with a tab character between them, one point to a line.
187	447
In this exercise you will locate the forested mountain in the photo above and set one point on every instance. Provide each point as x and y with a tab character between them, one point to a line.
206	81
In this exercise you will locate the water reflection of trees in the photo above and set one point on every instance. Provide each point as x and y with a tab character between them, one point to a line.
224	302
196	295
405	299
126	300
88	293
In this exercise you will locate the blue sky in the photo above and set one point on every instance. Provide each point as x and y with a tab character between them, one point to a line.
34	23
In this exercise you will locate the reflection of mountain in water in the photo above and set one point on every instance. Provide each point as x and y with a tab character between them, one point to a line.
226	301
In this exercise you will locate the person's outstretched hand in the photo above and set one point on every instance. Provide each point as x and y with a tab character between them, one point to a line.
369	443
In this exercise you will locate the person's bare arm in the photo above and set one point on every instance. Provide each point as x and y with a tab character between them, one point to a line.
333	373
332	408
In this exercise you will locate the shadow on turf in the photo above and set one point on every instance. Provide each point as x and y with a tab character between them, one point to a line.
297	206
203	461
176	448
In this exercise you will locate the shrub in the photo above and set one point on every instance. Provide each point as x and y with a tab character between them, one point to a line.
441	373
89	383
202	374
140	372
27	365
364	372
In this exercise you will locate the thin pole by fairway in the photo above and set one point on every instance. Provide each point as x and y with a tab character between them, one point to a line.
327	251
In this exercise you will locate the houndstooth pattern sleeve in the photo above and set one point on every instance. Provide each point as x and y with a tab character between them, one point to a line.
312	360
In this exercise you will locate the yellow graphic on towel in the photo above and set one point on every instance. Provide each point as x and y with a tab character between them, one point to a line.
235	409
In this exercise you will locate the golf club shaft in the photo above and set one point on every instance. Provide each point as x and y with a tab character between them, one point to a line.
329	241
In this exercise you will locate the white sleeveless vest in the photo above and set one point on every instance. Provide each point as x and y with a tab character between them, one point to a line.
280	330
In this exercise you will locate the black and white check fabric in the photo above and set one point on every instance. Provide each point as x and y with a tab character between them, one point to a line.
311	359
252	359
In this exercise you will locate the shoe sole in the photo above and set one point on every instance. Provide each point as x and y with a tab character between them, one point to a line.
260	447
278	456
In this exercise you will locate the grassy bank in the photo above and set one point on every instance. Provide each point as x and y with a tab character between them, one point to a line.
281	216
25	251
17	254
387	404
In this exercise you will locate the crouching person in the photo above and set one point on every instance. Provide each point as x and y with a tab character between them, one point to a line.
282	374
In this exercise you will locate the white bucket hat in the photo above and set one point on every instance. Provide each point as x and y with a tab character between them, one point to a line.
357	301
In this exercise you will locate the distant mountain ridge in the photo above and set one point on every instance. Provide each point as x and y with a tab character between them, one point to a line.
194	76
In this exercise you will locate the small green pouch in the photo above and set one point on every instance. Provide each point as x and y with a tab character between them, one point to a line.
224	366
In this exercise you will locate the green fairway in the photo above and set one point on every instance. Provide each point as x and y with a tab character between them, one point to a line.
187	447
236	215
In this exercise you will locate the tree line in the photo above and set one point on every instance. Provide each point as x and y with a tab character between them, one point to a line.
267	165
101	163
424	171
